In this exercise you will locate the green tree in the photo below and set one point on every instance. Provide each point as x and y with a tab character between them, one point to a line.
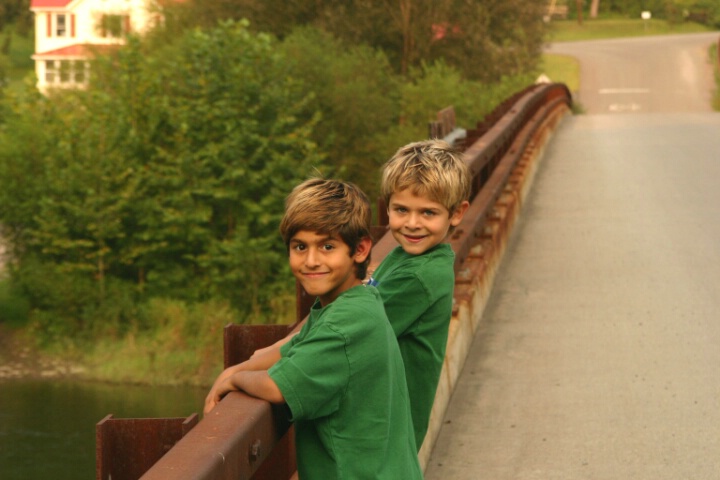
358	94
16	12
485	40
165	179
166	176
492	39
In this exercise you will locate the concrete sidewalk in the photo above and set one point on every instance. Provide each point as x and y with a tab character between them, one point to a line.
598	354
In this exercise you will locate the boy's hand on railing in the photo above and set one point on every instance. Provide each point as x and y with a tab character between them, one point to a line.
218	389
262	359
256	383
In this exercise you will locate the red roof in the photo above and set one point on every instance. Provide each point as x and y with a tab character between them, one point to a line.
49	3
78	50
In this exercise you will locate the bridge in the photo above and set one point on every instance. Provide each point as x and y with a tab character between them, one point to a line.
597	355
589	298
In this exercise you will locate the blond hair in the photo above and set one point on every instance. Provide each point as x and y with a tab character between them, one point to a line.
330	207
431	169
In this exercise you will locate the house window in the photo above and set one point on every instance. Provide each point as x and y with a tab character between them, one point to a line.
114	26
61	25
66	72
50	71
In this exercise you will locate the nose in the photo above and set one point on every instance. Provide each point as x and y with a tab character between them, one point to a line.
413	221
312	257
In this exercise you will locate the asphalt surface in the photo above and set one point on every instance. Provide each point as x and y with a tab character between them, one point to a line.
663	74
598	355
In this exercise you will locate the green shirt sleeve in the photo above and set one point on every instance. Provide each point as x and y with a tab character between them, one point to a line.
313	373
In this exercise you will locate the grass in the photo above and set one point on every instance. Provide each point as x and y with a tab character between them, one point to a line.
596	29
714	55
561	68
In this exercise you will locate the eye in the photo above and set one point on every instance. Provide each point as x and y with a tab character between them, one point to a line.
298	247
429	213
328	247
400	209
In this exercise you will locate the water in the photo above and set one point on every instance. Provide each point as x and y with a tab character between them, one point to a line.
47	428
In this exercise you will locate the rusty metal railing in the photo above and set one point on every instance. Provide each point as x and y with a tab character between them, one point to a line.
247	438
491	151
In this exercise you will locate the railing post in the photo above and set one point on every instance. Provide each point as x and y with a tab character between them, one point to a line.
127	447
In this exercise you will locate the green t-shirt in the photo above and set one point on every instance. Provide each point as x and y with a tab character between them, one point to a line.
343	380
417	291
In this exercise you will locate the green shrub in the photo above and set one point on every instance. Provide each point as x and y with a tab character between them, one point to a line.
144	210
14	307
164	179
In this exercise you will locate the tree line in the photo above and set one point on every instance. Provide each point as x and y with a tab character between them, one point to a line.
165	178
16	13
484	40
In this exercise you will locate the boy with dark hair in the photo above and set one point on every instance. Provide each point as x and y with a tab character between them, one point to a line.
342	375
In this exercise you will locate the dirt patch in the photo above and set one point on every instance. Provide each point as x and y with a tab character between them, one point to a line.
18	359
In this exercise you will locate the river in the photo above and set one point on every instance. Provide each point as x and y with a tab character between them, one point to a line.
47	427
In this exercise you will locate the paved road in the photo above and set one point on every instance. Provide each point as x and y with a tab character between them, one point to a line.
646	75
599	351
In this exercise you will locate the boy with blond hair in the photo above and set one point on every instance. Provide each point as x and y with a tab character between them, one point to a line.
426	186
342	375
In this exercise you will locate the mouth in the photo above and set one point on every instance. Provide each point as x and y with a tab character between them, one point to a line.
414	238
312	275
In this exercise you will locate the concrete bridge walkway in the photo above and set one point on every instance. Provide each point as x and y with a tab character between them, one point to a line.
598	356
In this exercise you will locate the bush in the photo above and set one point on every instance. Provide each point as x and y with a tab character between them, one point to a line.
150	201
165	178
14	307
357	93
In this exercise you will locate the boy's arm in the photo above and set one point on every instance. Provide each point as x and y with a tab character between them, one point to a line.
276	346
255	383
258	362
258	384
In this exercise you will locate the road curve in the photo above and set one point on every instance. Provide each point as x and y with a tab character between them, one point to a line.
659	74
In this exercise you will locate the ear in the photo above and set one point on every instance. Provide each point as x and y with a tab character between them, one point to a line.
362	250
459	213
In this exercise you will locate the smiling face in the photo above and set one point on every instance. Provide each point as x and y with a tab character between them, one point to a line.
323	264
418	223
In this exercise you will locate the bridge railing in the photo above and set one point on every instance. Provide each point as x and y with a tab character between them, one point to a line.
244	437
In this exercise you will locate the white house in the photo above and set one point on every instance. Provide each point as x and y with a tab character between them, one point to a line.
67	32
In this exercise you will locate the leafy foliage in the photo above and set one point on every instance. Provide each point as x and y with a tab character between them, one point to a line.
357	93
484	40
167	176
16	12
162	184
